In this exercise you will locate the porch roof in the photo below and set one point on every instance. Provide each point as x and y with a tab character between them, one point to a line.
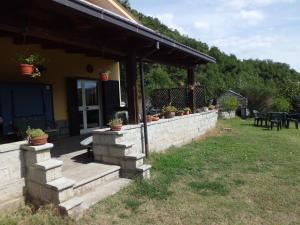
81	27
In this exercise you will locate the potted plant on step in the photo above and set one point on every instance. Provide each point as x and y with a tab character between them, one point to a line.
29	64
180	113
36	137
116	124
104	76
169	111
187	110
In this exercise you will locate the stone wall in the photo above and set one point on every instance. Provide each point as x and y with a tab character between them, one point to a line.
162	134
12	170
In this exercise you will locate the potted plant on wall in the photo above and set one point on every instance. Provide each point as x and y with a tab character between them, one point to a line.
29	64
149	118
116	124
104	76
36	137
180	113
169	111
187	110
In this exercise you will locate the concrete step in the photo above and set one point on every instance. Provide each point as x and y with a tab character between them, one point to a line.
60	190
71	207
102	192
89	176
115	150
46	171
141	171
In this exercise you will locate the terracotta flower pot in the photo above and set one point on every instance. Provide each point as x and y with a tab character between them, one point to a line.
26	69
116	127
180	113
186	112
104	77
169	115
149	119
39	140
155	118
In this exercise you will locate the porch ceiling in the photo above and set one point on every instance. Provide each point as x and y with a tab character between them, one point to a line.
79	27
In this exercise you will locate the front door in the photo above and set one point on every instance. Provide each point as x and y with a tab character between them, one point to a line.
88	105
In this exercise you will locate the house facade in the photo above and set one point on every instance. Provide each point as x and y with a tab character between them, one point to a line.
80	39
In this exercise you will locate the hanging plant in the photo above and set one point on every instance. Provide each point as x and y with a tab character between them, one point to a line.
104	76
29	64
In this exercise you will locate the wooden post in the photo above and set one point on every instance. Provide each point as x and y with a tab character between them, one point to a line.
191	87
131	81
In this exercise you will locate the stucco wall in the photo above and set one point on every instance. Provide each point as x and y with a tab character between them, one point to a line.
12	173
59	65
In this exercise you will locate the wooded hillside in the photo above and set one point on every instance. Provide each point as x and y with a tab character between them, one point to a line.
262	81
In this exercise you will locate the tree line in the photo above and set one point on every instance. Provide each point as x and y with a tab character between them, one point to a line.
263	82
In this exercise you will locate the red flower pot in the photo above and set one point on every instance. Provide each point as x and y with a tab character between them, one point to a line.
149	119
186	112
116	127
26	69
104	77
39	140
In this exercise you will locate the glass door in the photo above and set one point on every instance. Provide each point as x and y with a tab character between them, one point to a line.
89	107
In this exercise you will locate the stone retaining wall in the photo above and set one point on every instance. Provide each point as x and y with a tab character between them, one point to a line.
12	171
164	133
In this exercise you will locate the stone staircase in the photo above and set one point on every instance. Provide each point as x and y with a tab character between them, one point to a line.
79	186
73	190
110	147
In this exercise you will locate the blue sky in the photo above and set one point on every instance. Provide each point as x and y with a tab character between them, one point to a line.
264	29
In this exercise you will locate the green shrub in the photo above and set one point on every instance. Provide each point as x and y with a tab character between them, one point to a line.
281	105
115	122
168	109
229	103
32	133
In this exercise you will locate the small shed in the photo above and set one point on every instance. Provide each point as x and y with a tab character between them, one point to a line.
243	101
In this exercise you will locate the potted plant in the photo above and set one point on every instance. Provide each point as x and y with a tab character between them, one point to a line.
169	111
104	76
155	118
228	105
29	64
180	113
36	137
116	124
149	118
211	107
187	110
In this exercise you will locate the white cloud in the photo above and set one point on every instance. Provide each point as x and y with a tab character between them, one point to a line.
243	4
169	20
202	25
252	17
244	44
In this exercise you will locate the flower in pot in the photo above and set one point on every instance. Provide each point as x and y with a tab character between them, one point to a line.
116	124
180	113
187	110
104	76
36	137
169	111
211	107
29	64
155	118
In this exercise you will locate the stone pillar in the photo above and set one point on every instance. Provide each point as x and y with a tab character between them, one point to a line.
44	180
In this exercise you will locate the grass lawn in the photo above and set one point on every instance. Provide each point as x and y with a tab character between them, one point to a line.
246	176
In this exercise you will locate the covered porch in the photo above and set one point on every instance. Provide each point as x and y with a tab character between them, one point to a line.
82	40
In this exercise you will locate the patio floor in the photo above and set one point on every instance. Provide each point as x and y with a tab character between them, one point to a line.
69	150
